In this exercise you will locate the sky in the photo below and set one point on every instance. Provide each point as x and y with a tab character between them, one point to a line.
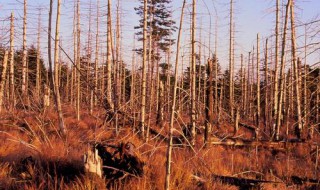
251	17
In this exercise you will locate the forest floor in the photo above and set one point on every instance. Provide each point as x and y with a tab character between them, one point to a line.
34	156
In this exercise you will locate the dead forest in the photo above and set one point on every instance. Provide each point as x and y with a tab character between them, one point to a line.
81	111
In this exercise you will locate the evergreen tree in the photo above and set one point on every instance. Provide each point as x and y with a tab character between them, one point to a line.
159	24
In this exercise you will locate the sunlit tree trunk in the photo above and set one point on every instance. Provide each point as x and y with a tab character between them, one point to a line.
3	78
96	58
169	149
231	66
24	53
144	74
266	85
276	75
282	71
296	70
38	60
258	82
193	76
12	83
77	78
56	70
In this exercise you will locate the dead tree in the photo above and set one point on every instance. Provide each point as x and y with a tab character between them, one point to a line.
53	78
258	82
209	102
12	83
24	53
38	79
77	70
169	151
266	83
160	113
296	72
96	58
144	70
282	70
3	78
276	75
231	66
193	75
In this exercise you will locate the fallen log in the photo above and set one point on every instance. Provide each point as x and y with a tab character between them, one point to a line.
243	183
237	142
114	162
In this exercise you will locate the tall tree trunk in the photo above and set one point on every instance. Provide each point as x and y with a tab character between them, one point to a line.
12	83
193	76
258	81
53	78
96	65
78	81
231	66
89	91
209	105
24	53
276	75
56	63
169	150
38	60
144	71
296	71
3	78
282	70
266	84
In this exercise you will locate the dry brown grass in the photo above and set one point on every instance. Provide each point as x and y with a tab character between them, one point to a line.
58	162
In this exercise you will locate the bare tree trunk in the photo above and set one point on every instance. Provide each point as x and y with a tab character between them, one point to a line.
266	83
53	79
276	75
258	82
38	60
56	63
117	74
209	105
248	87
193	76
296	73
169	150
144	74
242	82
280	98
78	81
24	53
96	58
231	66
3	78
89	91
12	83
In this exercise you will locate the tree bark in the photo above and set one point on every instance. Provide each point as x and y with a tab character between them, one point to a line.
231	66
280	98
38	60
258	81
12	83
3	78
56	63
209	105
77	71
276	75
296	71
193	75
144	74
24	53
169	149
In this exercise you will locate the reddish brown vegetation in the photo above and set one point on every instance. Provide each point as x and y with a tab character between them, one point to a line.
34	156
